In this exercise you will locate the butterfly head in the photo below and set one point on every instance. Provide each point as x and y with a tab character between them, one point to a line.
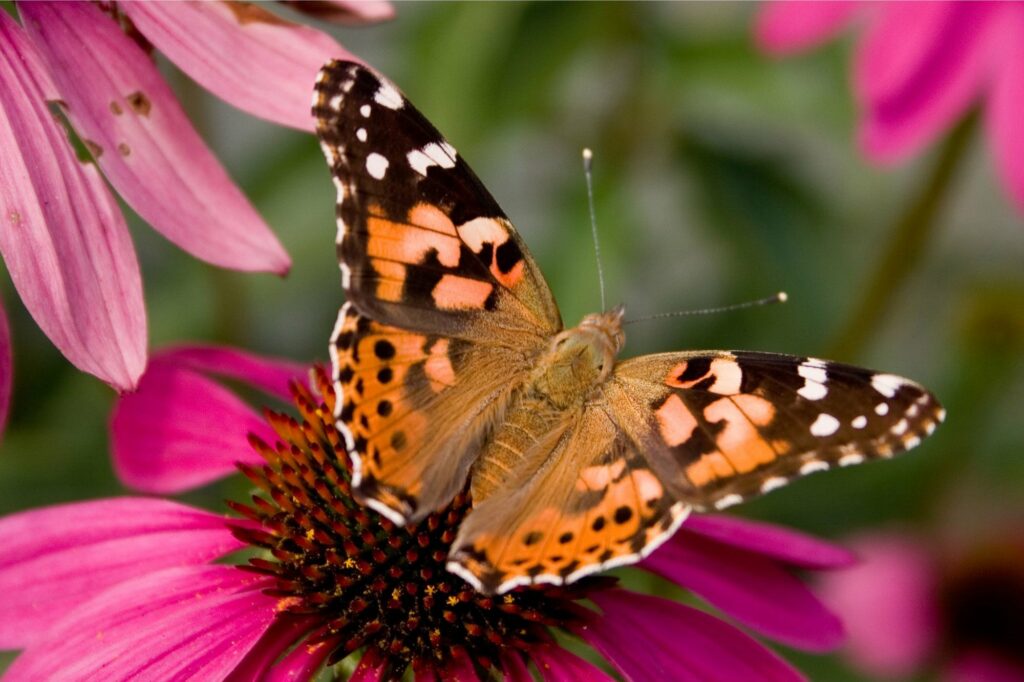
581	358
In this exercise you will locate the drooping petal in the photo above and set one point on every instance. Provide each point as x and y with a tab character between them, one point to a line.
558	665
63	237
755	590
514	668
649	638
120	104
346	12
786	26
301	664
64	555
371	667
282	634
459	668
195	622
180	430
270	375
980	665
242	53
6	368
1006	102
887	604
918	68
788	546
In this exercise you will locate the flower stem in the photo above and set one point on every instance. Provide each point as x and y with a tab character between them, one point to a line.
910	234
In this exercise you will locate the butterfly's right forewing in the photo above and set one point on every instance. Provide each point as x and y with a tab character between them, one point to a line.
720	427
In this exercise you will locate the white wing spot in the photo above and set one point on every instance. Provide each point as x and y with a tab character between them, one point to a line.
859	422
335	102
882	409
433	154
813	372
911	442
346	276
850	460
728	501
387	96
773	483
824	425
365	110
811	467
376	165
929	428
361	134
887	384
900	428
942	414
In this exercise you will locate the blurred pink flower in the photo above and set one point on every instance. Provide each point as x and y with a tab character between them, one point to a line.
910	608
136	583
64	240
919	66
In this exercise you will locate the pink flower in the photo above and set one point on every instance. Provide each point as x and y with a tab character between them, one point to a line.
910	608
63	237
137	584
919	67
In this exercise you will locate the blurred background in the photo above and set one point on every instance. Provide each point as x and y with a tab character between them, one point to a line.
721	174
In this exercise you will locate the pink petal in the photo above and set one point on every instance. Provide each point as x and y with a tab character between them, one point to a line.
57	557
301	663
649	638
283	633
514	668
786	26
983	666
209	40
754	589
371	667
346	12
1003	113
558	665
63	239
6	368
788	546
917	70
271	375
119	101
887	604
196	622
180	430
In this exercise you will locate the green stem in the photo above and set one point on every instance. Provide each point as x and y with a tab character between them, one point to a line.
910	234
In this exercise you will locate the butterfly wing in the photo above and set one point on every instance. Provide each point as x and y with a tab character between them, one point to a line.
721	427
445	307
421	243
590	502
413	408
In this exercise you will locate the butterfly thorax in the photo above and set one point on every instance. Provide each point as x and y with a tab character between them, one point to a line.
579	360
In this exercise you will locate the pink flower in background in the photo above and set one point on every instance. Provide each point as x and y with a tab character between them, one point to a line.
919	67
135	583
910	608
63	237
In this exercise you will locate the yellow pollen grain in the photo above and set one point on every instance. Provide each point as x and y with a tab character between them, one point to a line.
430	590
310	534
453	600
396	593
349	563
509	599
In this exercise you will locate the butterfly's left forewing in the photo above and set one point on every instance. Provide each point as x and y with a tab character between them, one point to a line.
721	427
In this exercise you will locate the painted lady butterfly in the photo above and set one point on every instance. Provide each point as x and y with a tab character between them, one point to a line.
451	363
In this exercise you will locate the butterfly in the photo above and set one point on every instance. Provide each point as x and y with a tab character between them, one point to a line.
452	365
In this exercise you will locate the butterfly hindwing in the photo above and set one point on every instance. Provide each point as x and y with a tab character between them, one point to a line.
583	501
721	427
421	243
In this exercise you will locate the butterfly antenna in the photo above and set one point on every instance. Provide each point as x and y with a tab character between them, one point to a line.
588	160
780	297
